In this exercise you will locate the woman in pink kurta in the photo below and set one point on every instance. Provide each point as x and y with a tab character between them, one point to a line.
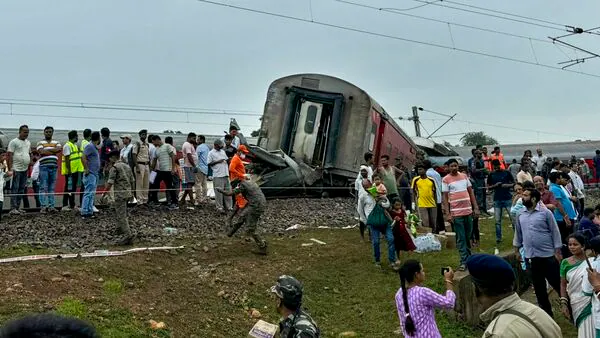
416	304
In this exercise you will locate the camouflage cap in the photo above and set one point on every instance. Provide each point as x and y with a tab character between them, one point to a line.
289	289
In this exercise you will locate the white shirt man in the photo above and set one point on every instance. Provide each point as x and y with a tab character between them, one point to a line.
577	184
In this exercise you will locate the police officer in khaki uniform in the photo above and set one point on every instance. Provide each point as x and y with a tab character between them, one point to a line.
141	165
296	323
509	316
121	178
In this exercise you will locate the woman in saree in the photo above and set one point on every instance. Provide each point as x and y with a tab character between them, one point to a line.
572	272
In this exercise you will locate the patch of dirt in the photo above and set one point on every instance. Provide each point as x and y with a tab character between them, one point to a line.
66	231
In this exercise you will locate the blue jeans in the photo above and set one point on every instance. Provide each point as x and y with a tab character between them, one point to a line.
90	182
47	185
499	206
18	189
389	237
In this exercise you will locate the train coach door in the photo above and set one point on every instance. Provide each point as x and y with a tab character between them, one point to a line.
307	130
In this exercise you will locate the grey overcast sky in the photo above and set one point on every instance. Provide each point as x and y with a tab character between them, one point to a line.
186	53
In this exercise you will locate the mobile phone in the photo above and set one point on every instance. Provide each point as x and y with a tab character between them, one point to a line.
588	263
444	270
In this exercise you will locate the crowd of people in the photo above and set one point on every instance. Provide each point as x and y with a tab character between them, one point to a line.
544	199
133	171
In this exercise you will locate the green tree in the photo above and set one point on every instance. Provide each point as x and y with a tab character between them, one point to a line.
255	133
477	137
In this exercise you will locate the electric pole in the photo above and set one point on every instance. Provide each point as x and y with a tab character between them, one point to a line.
415	119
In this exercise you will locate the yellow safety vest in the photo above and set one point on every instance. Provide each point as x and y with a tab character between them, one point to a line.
74	159
84	143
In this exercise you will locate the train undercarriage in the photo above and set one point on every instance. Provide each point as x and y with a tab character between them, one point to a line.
279	175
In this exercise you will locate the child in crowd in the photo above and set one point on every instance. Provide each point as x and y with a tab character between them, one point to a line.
380	191
402	239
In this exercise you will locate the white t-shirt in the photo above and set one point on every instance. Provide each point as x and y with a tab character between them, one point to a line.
35	171
220	169
2	180
125	153
588	289
21	150
538	161
188	148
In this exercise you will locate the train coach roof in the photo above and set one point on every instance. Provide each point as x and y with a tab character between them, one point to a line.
315	79
562	150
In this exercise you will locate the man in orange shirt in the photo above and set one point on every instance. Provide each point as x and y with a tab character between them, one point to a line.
497	155
237	172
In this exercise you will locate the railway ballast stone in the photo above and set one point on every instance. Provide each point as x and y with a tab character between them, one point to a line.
68	232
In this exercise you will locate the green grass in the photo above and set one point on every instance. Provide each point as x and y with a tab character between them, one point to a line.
113	287
344	291
72	307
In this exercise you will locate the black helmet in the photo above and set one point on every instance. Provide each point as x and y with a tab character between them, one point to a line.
289	290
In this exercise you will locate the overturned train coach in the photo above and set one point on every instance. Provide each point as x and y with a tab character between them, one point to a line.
314	133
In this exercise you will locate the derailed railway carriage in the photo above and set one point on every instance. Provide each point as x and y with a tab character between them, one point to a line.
315	130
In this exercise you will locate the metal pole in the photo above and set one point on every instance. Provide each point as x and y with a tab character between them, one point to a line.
415	119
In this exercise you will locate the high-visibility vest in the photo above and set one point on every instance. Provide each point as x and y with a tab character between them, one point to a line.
74	159
84	143
499	158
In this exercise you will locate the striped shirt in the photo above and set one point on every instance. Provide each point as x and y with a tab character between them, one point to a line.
458	195
48	160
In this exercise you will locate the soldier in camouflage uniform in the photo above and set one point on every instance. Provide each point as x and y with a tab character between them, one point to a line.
296	322
121	178
250	214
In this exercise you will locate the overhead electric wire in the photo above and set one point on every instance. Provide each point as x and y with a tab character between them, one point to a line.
504	13
415	7
110	118
502	126
441	4
393	37
488	30
128	105
101	106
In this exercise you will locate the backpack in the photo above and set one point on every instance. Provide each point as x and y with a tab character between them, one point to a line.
377	218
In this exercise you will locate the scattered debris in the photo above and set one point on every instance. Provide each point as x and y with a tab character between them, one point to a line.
254	313
154	325
318	241
57	279
170	230
97	253
348	334
295	227
205	248
307	244
66	274
263	329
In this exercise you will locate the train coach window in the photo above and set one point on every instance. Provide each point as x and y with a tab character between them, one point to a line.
311	116
372	137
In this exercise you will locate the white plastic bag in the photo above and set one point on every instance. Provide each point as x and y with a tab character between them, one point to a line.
427	243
